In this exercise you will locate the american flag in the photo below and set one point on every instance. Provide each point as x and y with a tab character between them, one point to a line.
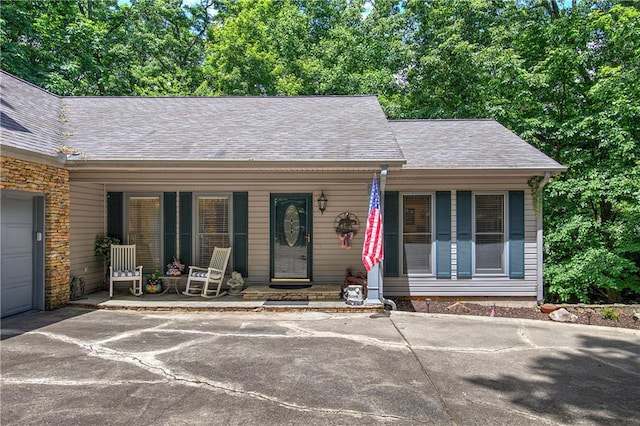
372	251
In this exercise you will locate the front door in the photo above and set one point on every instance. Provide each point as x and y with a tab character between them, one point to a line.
291	237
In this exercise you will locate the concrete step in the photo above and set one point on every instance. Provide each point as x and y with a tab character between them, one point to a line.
314	292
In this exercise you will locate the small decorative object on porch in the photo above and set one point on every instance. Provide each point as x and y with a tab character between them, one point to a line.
236	284
77	289
355	295
347	226
175	268
154	283
360	278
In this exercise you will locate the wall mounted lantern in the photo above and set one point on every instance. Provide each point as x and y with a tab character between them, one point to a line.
322	203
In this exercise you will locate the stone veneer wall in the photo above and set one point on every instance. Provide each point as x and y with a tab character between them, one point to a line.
53	182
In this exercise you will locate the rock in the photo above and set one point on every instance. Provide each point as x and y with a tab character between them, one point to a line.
459	307
636	316
562	315
547	308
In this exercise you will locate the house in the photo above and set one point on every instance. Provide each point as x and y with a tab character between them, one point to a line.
178	176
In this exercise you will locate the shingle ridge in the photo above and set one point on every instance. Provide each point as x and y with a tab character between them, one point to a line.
30	84
219	97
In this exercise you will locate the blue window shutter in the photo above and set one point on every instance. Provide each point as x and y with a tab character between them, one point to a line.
391	235
115	215
443	234
241	233
464	233
170	227
186	228
516	234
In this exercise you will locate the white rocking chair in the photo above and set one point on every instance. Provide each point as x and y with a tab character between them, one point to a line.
123	268
207	282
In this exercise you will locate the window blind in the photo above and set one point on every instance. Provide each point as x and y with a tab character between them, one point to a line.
489	239
212	226
416	234
144	230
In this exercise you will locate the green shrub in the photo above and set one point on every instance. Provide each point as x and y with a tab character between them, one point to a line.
610	314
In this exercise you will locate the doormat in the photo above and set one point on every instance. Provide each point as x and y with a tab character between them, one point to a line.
289	286
286	303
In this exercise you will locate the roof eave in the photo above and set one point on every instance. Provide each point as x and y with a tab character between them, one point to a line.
472	171
29	155
240	164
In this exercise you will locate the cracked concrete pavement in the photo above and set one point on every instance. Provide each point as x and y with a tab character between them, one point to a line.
77	366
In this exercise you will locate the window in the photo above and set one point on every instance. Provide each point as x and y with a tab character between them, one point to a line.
144	230
212	226
489	233
416	234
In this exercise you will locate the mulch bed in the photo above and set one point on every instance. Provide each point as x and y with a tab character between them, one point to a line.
469	308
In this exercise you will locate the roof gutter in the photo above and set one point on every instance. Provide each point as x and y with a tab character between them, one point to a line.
540	240
238	164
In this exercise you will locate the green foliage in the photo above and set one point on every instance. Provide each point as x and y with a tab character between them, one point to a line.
155	278
610	314
595	274
102	246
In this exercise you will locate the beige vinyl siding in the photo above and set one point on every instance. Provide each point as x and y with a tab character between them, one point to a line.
346	191
476	286
88	219
329	260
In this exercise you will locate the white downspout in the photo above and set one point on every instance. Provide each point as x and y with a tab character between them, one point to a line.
383	182
539	238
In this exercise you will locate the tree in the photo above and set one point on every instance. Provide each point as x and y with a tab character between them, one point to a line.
167	41
593	243
69	48
562	76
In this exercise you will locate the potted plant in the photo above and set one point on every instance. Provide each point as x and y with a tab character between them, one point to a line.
102	247
154	283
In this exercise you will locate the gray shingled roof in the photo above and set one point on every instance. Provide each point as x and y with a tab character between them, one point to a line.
29	116
315	129
320	128
466	144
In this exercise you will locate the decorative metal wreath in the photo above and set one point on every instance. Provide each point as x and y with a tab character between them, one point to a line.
346	223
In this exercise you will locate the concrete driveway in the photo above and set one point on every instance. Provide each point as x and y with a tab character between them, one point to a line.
76	366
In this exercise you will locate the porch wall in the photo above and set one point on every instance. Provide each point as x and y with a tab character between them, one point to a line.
88	219
345	191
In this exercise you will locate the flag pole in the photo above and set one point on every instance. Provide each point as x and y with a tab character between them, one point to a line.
383	184
375	276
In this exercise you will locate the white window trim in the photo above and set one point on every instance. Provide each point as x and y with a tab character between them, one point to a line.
505	237
401	235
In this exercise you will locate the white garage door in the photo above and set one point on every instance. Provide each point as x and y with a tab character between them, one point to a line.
16	254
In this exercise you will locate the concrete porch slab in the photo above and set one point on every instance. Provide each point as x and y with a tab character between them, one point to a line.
123	300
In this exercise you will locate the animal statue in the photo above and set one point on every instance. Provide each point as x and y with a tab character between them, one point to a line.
236	283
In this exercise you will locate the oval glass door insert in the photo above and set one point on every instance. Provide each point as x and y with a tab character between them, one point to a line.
291	225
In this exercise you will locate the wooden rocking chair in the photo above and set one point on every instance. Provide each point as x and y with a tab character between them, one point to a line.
123	268
207	282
